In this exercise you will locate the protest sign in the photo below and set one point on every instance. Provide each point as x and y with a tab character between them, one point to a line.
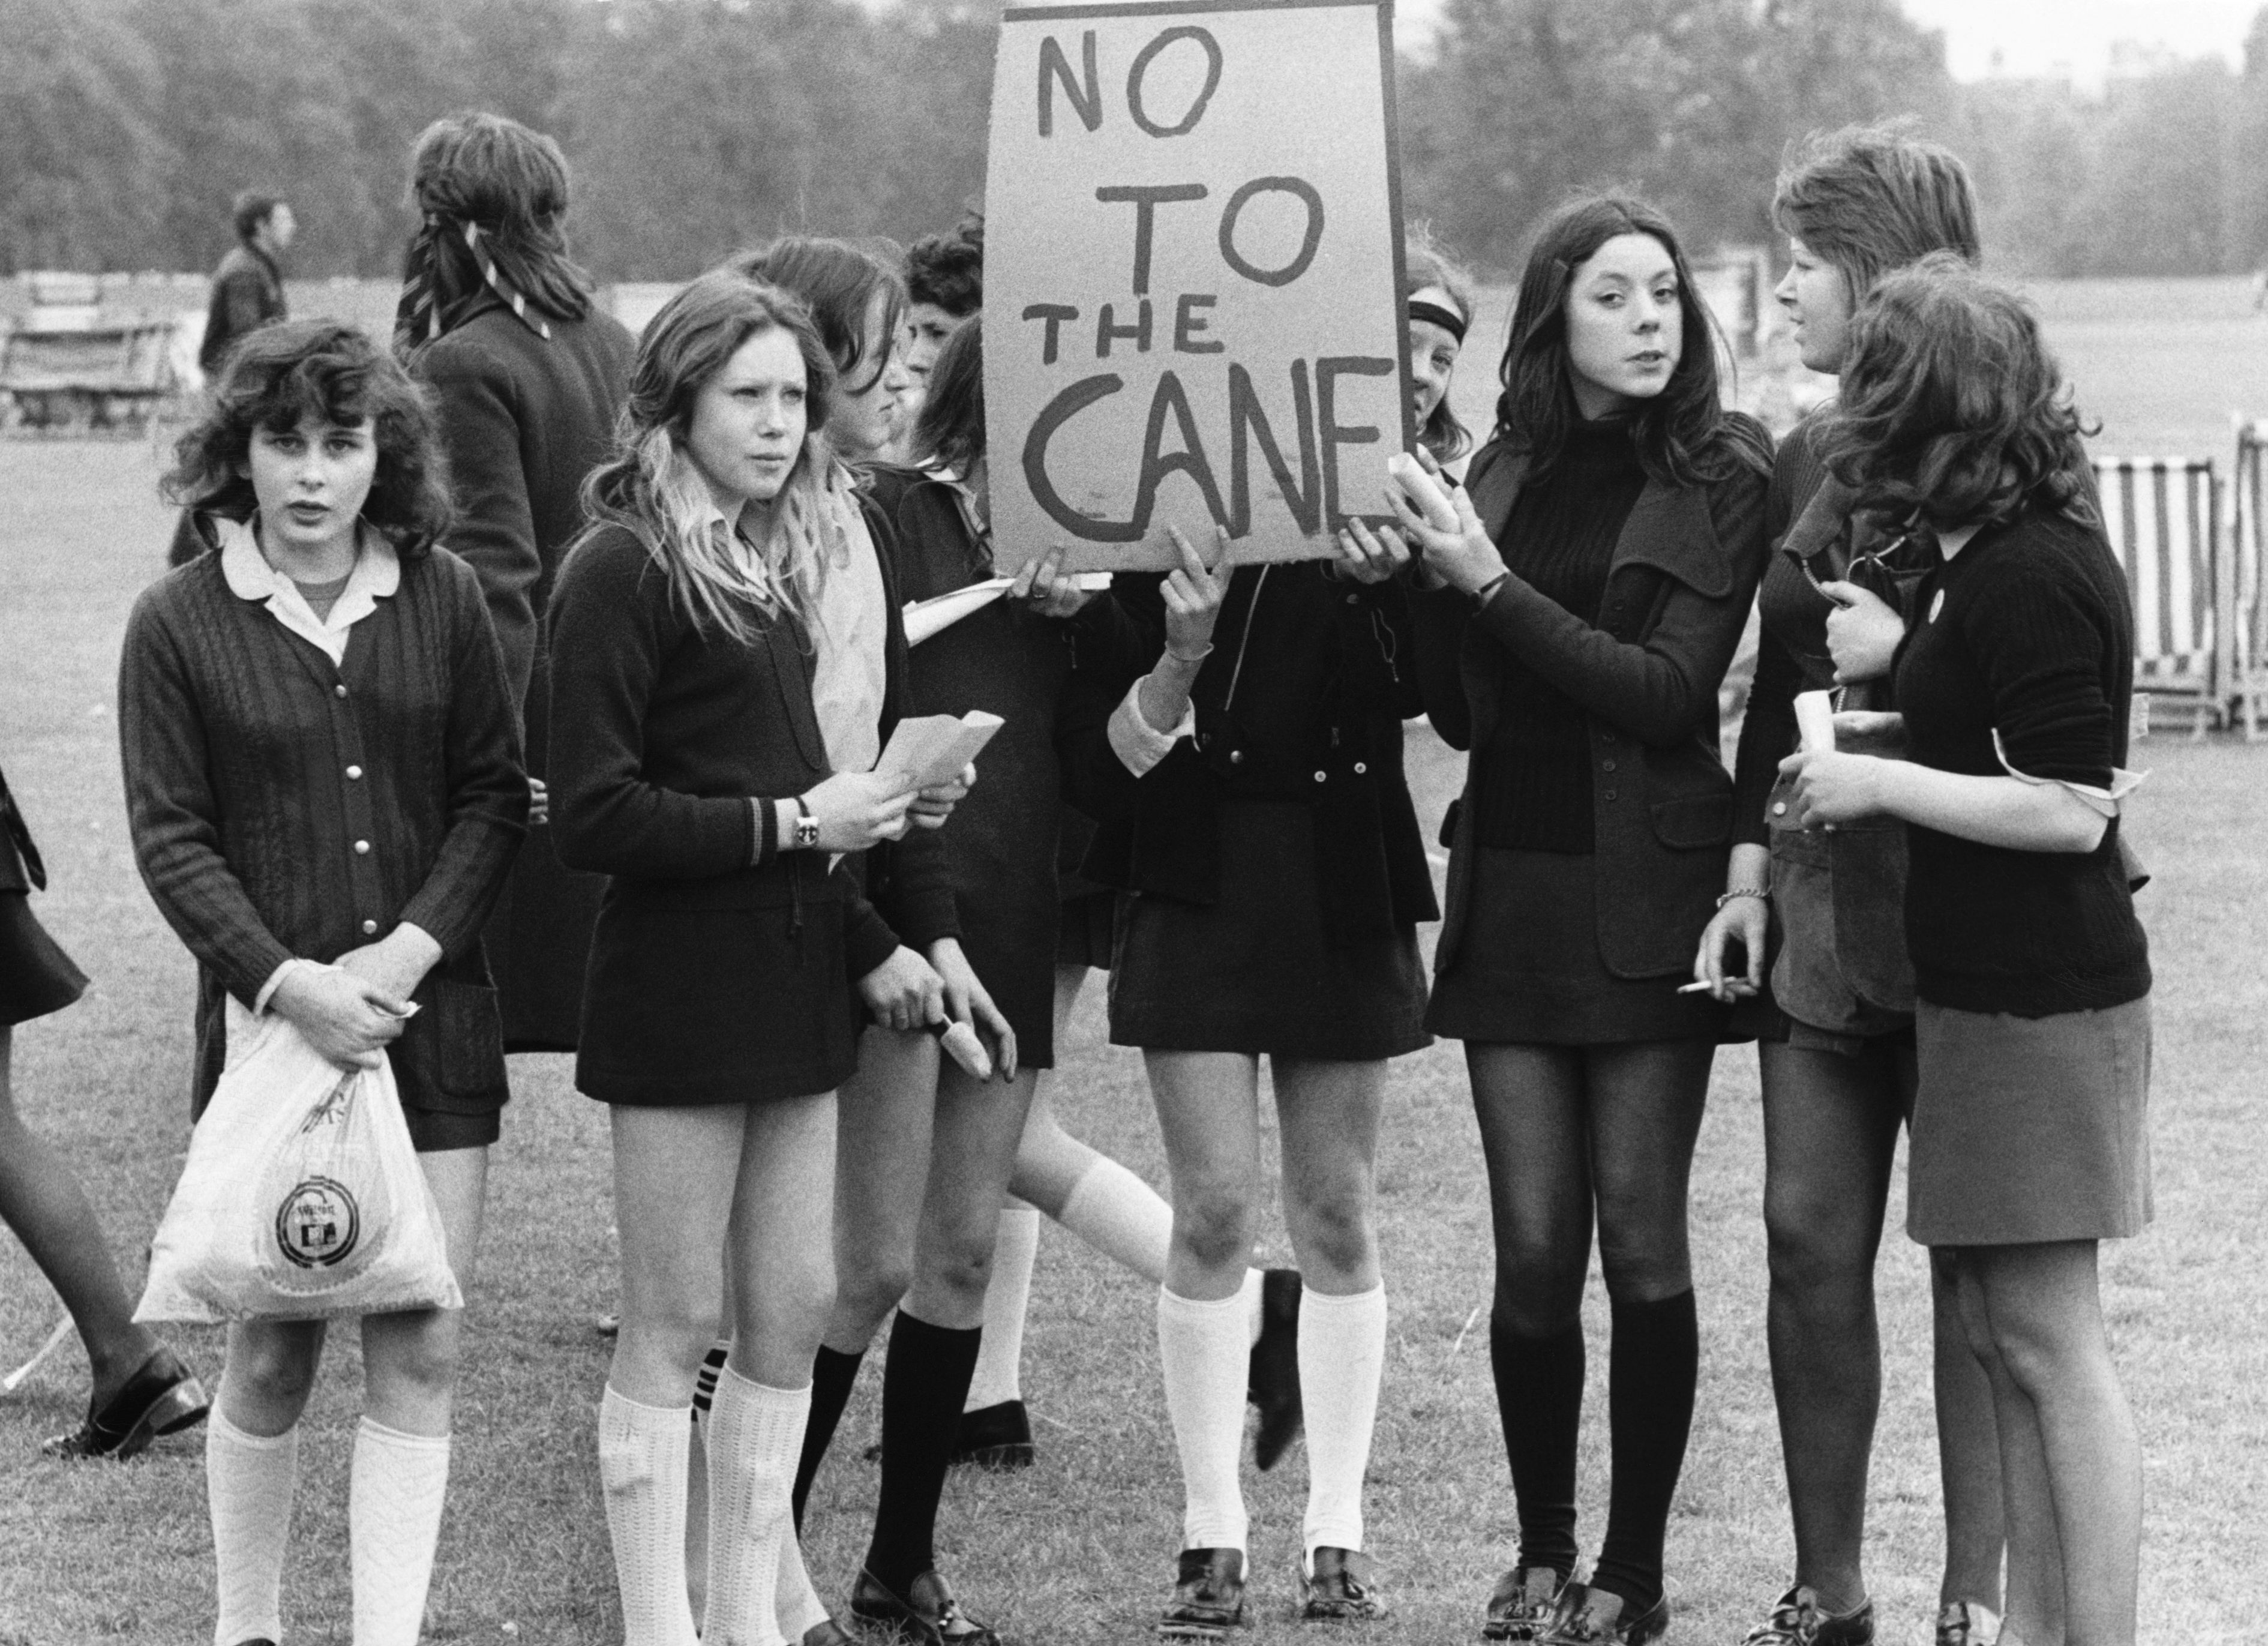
1193	262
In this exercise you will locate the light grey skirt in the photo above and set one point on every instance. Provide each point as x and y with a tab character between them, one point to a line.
2030	1129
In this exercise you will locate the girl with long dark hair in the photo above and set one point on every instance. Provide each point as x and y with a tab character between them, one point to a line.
323	782
2032	975
1600	571
1836	1056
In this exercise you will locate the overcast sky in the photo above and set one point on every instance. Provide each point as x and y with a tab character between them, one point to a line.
2031	37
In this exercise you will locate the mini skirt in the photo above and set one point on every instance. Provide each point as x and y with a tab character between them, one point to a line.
2030	1129
36	976
1253	972
1086	930
1529	971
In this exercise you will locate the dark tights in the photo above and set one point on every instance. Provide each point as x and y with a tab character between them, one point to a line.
1575	1135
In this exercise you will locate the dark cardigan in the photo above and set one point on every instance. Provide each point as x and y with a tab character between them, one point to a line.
1646	672
255	769
524	419
1324	726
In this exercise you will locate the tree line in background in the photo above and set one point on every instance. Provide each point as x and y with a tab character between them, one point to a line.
698	126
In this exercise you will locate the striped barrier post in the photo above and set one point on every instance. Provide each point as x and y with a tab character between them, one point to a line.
2247	605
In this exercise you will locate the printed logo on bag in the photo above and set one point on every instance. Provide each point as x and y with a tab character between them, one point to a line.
333	1109
318	1223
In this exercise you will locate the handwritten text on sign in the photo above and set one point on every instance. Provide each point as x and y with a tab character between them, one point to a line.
1192	258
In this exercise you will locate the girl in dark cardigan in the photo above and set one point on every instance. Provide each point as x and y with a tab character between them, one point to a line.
1599	574
694	768
323	781
2032	1027
1836	1058
528	373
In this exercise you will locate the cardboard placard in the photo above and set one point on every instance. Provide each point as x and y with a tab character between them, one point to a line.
1193	272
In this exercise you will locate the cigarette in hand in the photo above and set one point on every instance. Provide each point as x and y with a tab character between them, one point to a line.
1694	988
962	1045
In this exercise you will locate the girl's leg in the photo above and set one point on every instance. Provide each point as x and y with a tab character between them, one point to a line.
252	1470
2042	1304
1831	1131
1529	1103
781	1258
1329	1115
1208	1111
1967	1453
676	1173
400	1470
1644	1110
2035	1584
933	1345
44	1207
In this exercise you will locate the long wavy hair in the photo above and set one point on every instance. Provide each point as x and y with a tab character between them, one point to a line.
1952	404
1426	266
282	374
650	488
1684	435
950	428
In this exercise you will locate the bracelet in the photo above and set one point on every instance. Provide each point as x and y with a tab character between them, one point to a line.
1199	658
1762	894
1482	595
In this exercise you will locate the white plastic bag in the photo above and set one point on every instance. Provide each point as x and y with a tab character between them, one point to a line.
302	1198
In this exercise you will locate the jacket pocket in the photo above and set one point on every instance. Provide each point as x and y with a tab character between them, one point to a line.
469	1036
1694	821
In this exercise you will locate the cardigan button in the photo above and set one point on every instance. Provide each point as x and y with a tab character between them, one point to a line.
1236	757
362	848
369	927
1359	769
340	688
1354	599
354	774
1608	764
1606	737
1610	794
1319	776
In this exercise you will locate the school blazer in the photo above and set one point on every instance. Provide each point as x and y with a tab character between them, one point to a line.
1679	587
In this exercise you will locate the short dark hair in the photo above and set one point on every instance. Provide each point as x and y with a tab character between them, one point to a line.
251	210
281	375
838	282
1684	435
1868	199
948	270
1951	404
511	181
951	427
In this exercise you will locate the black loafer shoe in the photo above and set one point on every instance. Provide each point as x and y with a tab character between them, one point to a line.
1272	1382
159	1398
1523	1603
1207	1595
1797	1620
926	1615
1594	1617
1339	1590
995	1438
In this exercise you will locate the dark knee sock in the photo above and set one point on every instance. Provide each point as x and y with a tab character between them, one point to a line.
833	1376
1655	1362
923	1388
1539	1396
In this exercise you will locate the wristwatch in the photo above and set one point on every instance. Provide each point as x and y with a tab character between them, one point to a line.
806	826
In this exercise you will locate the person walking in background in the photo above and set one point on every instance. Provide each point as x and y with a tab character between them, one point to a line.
1598	576
944	285
2032	974
528	374
140	1388
1836	1056
324	787
694	736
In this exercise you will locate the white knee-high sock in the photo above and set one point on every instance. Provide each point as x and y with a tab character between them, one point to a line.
1122	1217
799	1608
1202	1350
249	1483
1341	1354
999	1357
642	1458
394	1522
754	1436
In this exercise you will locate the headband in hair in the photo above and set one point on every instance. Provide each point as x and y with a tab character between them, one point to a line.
417	317
1433	313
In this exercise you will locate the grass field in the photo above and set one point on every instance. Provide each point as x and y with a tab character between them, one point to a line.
1078	1549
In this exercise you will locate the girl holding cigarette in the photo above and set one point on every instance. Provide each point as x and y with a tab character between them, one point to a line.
1837	1055
2032	975
1598	573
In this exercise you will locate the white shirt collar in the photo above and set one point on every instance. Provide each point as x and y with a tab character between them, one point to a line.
376	576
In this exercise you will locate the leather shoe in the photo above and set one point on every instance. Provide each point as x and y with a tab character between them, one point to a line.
996	1438
1272	1380
1797	1620
926	1615
1339	1588
1595	1617
158	1399
1524	1602
1207	1595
